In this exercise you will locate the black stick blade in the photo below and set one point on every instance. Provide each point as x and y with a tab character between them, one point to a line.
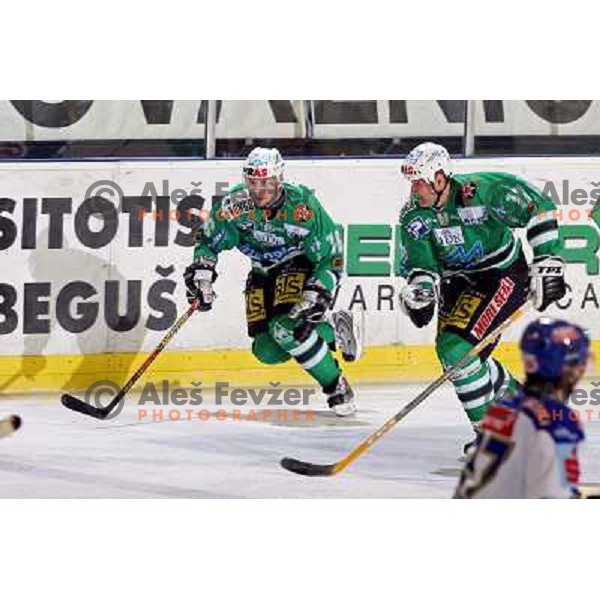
309	469
9	425
82	407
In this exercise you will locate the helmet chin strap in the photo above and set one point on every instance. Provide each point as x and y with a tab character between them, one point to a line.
437	204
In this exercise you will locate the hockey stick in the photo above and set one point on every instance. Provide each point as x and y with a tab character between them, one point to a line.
97	412
10	381
589	491
9	425
314	470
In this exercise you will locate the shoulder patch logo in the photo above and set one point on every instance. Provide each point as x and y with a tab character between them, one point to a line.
418	228
468	190
303	213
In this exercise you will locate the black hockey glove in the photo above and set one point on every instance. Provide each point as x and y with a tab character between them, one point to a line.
418	303
199	277
546	281
314	304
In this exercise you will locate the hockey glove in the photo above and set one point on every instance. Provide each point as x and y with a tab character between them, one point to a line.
546	281
418	303
199	277
314	303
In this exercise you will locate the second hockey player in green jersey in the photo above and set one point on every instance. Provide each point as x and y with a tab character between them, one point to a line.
459	252
473	231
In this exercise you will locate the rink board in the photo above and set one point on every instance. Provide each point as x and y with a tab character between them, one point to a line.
88	286
238	367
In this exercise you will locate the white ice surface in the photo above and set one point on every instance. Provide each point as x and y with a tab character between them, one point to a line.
60	454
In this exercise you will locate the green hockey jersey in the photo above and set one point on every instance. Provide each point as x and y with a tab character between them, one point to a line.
473	231
299	226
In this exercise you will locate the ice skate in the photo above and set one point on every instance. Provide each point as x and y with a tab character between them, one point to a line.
349	330
341	398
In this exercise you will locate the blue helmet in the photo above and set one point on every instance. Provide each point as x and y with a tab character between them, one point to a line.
548	345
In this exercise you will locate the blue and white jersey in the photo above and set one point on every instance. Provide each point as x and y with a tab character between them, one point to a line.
528	449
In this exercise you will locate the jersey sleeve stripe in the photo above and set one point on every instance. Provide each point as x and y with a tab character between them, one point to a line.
540	228
542	217
544	238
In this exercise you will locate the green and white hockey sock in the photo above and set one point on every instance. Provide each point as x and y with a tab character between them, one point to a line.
311	351
472	383
503	382
473	386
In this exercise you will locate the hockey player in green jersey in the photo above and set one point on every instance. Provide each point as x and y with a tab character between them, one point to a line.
296	253
460	254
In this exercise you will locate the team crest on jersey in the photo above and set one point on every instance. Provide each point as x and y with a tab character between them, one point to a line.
449	236
472	215
418	228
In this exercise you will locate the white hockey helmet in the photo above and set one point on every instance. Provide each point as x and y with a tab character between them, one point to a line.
264	163
425	160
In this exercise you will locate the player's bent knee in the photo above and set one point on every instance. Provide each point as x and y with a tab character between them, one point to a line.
281	329
451	348
267	351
